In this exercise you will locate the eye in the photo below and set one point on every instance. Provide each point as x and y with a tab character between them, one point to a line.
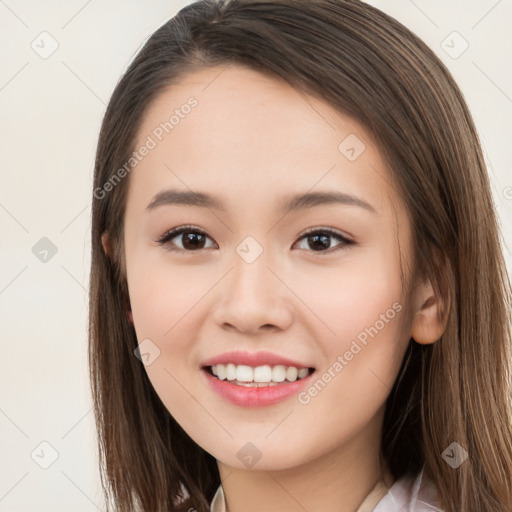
319	239
193	241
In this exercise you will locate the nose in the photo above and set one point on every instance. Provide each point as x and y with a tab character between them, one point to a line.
254	298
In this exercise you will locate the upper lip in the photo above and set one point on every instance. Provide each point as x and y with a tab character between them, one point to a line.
253	359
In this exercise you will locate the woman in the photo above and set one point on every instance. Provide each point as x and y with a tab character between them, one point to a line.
333	333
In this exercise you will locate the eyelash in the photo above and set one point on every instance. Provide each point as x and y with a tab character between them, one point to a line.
173	233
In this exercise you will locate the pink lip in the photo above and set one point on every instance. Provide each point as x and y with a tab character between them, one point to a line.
253	396
255	359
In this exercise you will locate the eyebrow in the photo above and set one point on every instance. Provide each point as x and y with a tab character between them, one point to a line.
294	203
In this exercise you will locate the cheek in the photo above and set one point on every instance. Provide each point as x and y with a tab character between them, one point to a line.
353	296
362	349
360	326
164	299
168	306
161	293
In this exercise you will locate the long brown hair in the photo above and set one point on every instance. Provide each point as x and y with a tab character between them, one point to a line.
367	65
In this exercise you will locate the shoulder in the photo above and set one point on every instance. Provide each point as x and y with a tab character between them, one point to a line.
411	494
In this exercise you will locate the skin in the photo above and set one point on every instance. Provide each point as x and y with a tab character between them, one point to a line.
252	141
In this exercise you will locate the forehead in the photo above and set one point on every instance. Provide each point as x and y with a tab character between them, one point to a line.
233	128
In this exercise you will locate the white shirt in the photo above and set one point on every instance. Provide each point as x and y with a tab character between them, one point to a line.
408	494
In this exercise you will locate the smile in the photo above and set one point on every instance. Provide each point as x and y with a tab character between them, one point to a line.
244	390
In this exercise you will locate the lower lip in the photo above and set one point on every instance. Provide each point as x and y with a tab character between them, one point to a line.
246	396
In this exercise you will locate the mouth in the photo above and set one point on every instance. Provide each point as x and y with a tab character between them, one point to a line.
257	376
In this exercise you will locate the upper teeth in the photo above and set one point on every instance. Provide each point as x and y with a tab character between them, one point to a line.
266	373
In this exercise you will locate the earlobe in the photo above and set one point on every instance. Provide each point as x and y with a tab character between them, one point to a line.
429	320
105	242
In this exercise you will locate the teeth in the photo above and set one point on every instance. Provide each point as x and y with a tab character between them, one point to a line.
231	372
278	373
243	373
221	372
292	373
303	372
260	375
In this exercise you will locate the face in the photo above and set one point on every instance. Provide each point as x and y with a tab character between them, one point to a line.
274	280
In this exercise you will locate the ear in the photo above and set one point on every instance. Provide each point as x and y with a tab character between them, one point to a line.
107	246
430	314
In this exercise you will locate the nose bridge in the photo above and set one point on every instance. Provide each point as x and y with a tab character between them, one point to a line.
253	297
250	279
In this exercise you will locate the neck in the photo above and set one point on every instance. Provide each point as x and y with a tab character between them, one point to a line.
336	481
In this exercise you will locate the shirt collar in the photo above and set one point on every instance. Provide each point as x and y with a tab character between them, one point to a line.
218	503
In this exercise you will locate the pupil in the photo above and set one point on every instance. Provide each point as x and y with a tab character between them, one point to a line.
192	238
324	240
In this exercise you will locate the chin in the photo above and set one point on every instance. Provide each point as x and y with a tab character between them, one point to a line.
259	456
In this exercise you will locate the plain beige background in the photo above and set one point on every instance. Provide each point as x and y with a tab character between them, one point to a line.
53	91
